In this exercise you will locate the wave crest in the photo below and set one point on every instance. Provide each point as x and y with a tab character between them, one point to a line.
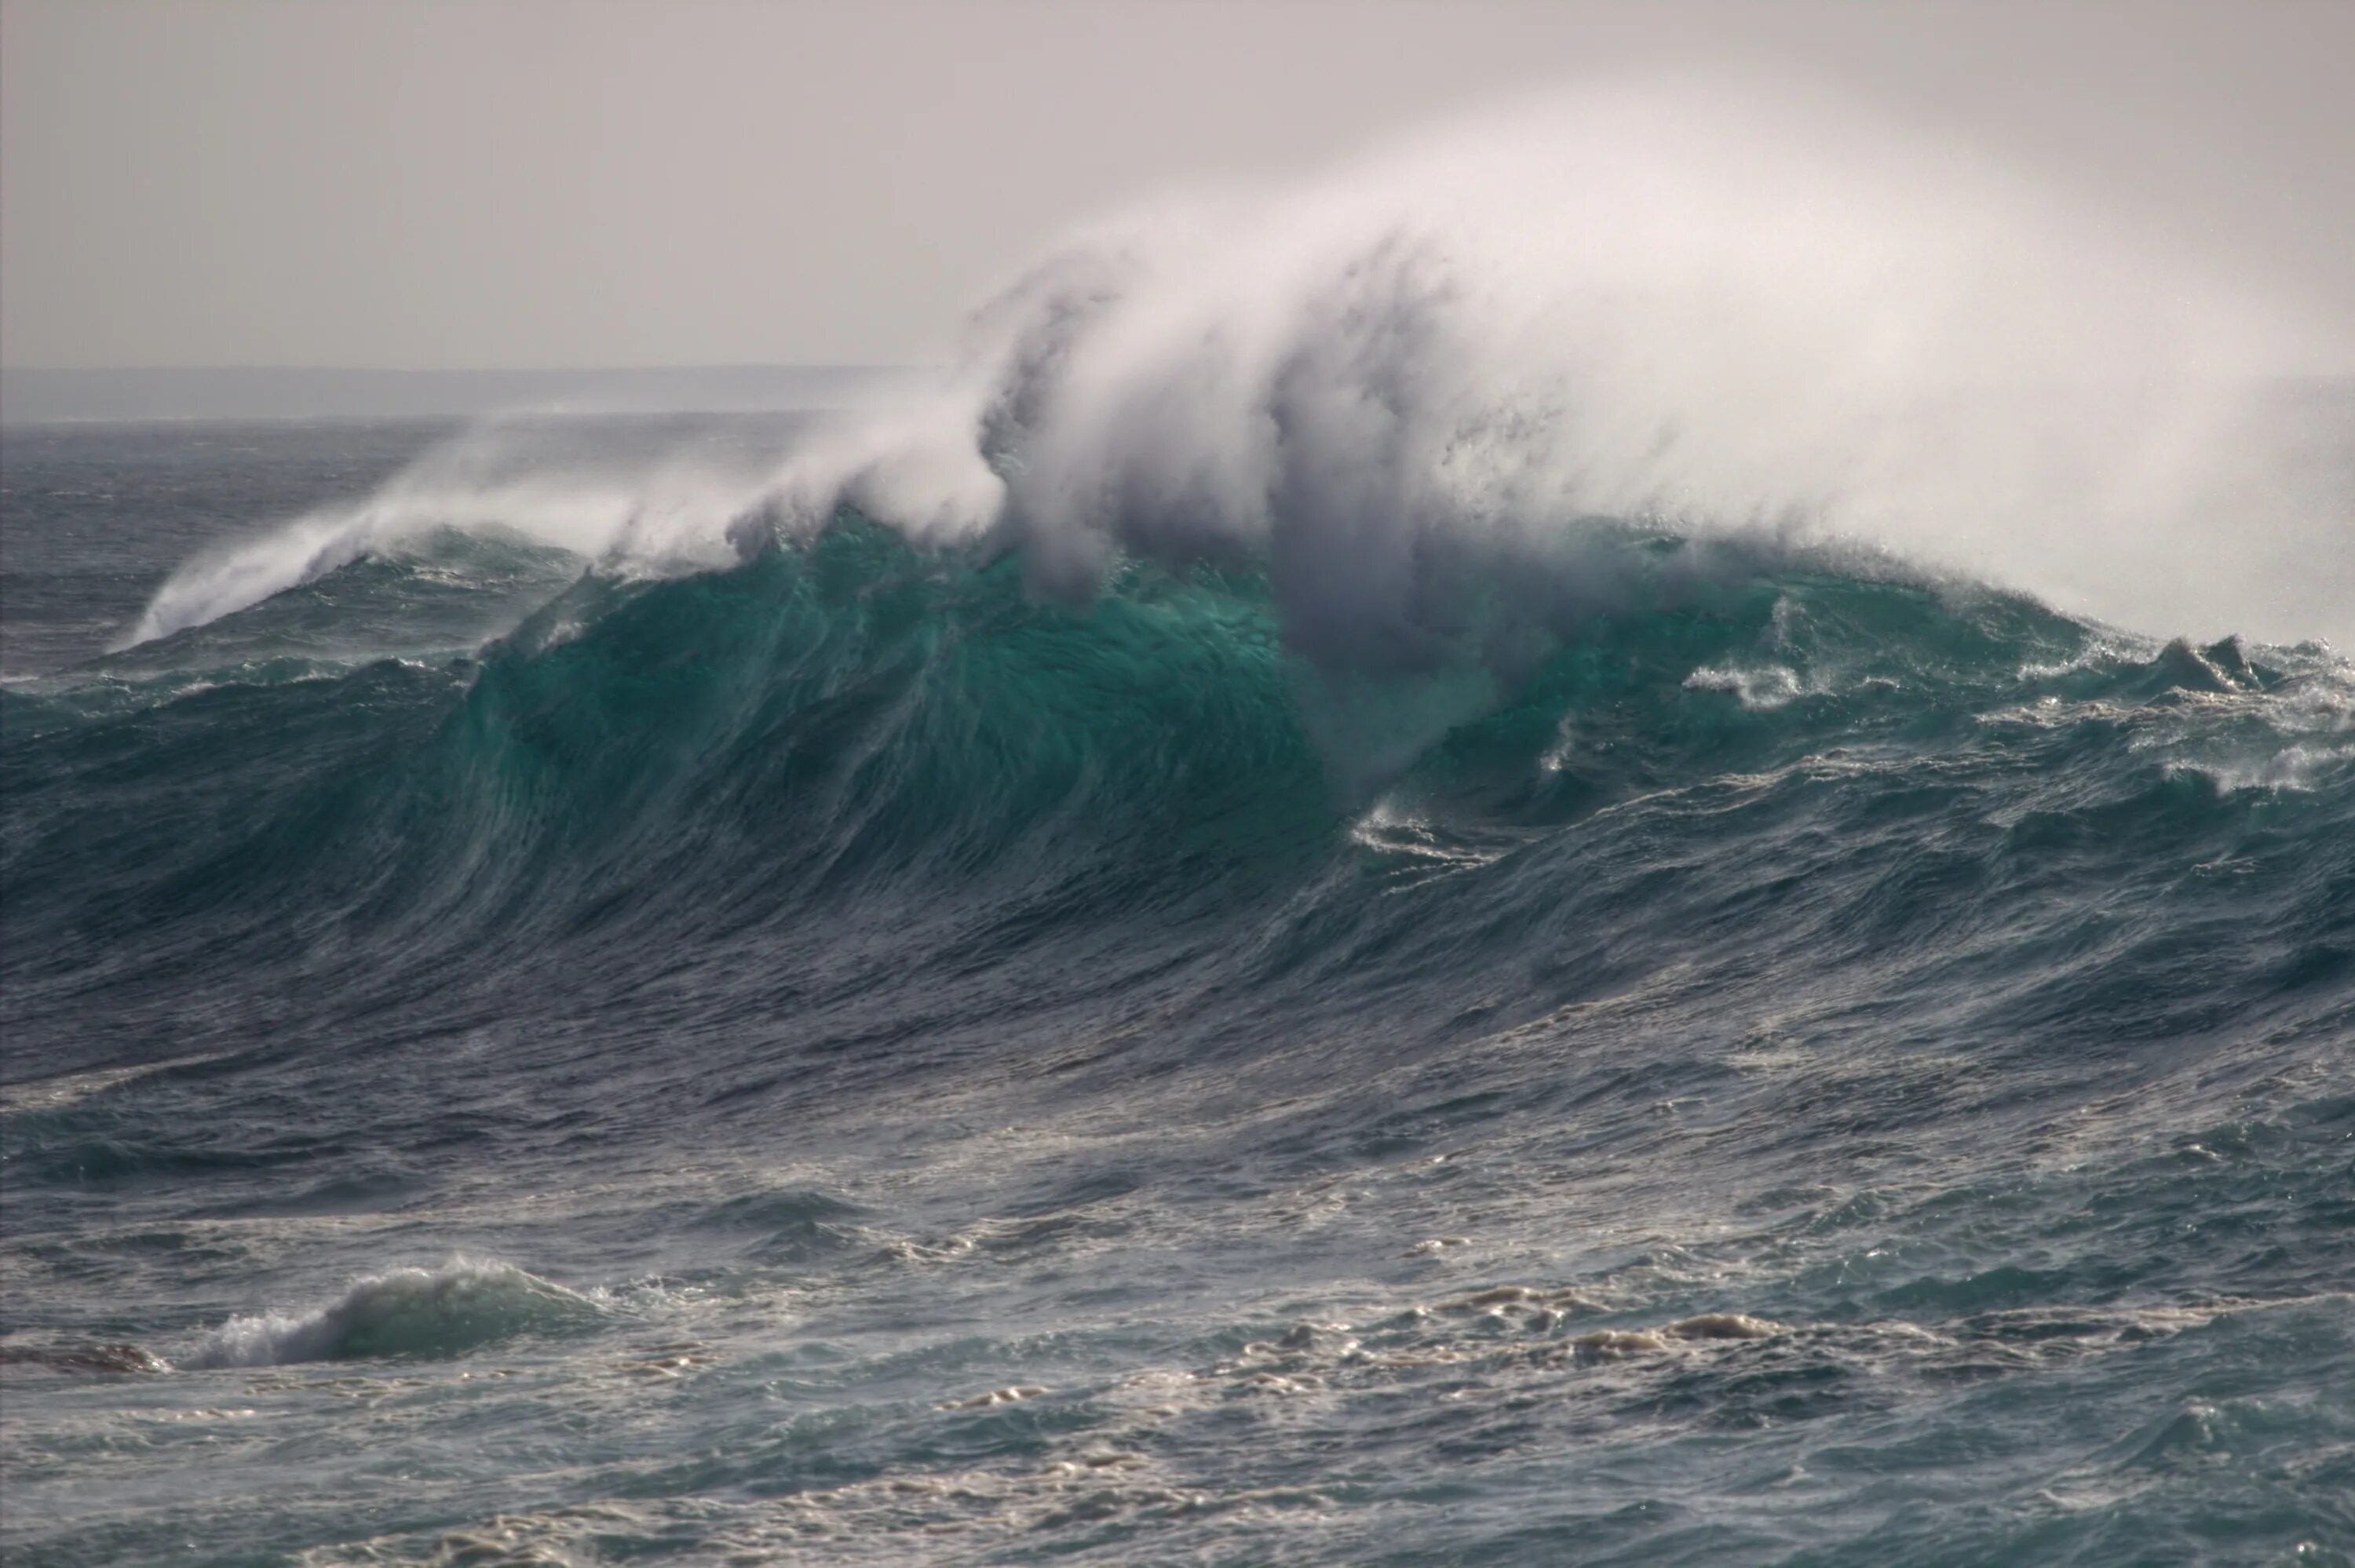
415	1312
1716	306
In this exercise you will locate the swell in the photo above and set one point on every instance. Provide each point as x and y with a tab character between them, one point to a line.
879	795
641	767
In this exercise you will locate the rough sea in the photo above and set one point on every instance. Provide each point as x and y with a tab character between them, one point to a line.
841	1054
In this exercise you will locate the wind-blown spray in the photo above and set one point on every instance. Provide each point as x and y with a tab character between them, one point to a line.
1710	306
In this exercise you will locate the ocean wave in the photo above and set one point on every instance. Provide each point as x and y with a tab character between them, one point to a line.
1406	829
448	1310
852	761
853	707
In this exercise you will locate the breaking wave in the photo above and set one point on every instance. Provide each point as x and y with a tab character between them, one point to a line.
424	1312
1703	305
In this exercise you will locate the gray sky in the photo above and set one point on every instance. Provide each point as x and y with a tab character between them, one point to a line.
542	183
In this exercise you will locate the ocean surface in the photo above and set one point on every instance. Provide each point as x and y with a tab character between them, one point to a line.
1685	1049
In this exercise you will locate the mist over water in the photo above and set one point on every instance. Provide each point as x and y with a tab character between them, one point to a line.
1712	306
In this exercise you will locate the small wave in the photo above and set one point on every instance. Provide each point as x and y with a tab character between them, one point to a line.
2221	667
412	1312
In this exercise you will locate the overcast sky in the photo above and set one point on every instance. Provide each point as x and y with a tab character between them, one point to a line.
559	183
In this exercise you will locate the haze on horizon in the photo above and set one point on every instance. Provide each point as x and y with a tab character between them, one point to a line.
535	186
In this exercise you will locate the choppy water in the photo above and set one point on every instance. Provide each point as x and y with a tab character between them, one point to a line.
834	1058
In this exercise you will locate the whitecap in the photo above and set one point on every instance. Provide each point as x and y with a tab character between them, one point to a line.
463	1304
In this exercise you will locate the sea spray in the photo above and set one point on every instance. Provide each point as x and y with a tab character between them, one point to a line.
1723	306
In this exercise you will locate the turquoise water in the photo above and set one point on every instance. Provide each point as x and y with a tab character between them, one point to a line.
1703	1053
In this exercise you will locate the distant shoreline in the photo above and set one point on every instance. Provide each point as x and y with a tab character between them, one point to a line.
46	396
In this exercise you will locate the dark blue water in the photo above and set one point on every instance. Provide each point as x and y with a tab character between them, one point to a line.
1722	1055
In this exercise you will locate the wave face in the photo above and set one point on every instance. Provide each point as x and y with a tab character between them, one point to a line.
851	738
1379	893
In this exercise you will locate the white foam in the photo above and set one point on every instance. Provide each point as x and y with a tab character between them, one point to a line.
403	1312
1758	690
2293	767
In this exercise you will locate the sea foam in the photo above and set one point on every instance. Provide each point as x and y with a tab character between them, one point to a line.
420	1312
